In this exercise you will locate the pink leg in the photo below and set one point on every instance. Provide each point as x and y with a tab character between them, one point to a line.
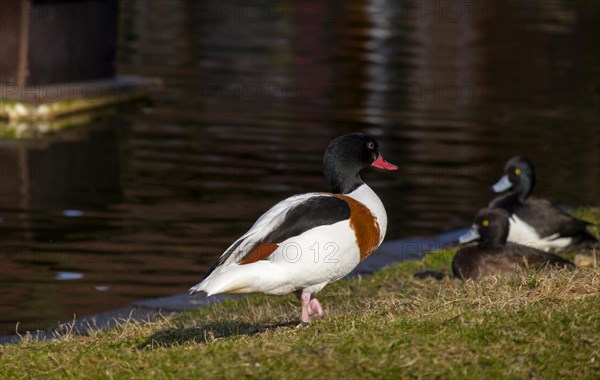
314	307
310	306
305	301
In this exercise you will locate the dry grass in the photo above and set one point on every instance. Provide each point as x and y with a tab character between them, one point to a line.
389	325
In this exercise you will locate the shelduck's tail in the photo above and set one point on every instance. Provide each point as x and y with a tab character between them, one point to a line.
237	279
198	288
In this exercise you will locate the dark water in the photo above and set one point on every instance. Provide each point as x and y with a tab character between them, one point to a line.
139	204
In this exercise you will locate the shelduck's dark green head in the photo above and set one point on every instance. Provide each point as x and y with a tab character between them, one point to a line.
346	156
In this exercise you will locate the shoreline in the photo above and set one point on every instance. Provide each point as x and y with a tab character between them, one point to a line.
148	310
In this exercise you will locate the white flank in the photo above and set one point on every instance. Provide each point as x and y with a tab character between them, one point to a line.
523	233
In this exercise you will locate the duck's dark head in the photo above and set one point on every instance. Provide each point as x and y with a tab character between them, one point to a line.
519	174
346	156
490	228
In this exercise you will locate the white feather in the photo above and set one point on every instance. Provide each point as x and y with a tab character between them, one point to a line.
308	261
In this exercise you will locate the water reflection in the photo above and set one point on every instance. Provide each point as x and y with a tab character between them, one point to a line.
136	206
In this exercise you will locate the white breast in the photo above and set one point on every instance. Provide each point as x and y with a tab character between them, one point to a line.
365	195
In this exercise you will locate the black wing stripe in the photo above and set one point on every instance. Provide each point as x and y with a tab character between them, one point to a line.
314	212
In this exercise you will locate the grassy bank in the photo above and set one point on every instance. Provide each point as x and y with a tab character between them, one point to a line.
386	325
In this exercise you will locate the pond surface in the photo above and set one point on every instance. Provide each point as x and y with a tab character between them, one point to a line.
138	205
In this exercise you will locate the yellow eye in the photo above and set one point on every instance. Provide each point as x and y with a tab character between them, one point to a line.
518	171
485	223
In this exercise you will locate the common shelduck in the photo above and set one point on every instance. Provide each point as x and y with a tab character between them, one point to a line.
493	255
535	221
309	240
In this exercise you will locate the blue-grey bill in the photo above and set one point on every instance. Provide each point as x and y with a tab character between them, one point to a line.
471	235
502	184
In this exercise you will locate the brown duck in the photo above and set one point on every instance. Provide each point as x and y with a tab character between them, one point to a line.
492	254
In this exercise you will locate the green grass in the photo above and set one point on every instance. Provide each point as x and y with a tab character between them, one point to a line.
388	325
